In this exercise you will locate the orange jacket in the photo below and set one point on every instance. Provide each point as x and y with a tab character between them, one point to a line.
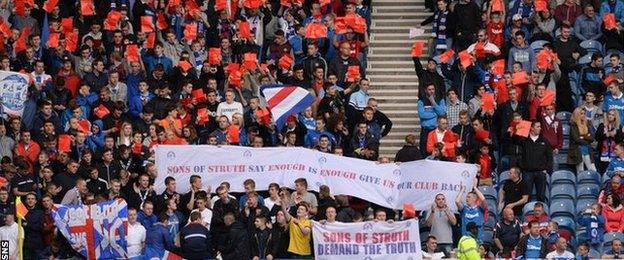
449	139
31	154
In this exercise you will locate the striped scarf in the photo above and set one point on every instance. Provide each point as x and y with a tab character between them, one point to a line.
439	29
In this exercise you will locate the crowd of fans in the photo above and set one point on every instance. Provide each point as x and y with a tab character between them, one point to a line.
110	80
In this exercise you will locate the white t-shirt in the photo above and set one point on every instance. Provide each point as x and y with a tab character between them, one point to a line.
225	109
565	255
10	234
206	217
438	255
269	203
135	239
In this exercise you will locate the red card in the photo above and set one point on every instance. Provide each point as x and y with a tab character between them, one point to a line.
541	6
409	211
523	128
479	50
20	7
199	95
543	59
147	25
340	25
446	56
53	40
214	56
112	19
548	99
202	116
5	28
324	2
609	21
285	3
71	41
498	67
190	31
174	3
64	143
285	62
161	21
101	111
450	137
353	72
264	67
487	102
519	78
417	48
87	8
232	67
244	30
68	25
250	60
185	65
501	89
482	135
233	134
609	79
316	31
264	116
151	40
465	59
360	25
85	126
49	5
497	6
137	148
253	4
192	7
235	79
132	53
20	44
220	5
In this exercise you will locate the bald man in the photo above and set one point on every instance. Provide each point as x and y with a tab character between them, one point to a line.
507	233
560	250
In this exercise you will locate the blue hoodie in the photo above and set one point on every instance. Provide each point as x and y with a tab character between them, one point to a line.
147	221
524	55
96	140
429	113
157	240
594	226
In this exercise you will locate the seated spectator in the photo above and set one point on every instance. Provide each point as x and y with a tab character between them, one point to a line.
507	233
613	212
431	250
616	250
614	187
538	215
560	252
532	245
587	25
552	235
594	223
583	252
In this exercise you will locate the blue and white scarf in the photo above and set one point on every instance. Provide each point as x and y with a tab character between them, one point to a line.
439	29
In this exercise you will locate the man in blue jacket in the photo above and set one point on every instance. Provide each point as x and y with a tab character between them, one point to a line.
195	239
428	110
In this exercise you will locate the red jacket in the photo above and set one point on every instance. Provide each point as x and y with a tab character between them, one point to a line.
553	133
614	219
31	155
449	139
72	82
486	166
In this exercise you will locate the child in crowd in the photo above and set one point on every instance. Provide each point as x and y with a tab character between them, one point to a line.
484	160
552	235
594	224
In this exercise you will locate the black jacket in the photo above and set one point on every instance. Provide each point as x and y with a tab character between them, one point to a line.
280	239
425	78
536	156
33	227
235	245
195	242
259	243
407	154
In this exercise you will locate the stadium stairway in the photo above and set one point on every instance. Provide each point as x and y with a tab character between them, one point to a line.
390	67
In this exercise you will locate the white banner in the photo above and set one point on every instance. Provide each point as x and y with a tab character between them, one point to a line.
367	240
13	92
388	185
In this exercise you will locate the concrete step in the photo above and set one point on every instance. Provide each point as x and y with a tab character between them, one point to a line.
391	64
389	57
397	22
401	15
398	92
403	71
385	3
398	49
412	7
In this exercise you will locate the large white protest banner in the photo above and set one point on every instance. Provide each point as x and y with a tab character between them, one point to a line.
389	185
367	240
13	92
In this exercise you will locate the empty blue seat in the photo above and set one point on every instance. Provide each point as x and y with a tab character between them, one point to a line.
562	191
564	116
583	204
586	59
503	177
562	208
566	129
567	223
528	208
591	46
538	45
489	192
587	191
588	177
562	176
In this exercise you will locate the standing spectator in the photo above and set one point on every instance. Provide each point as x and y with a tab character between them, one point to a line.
195	239
608	135
301	194
300	228
613	212
428	110
613	100
454	107
594	223
146	216
560	251
507	233
136	235
521	52
443	29
206	213
27	148
261	238
473	210
537	160
229	107
532	245
593	113
158	239
359	99
410	151
428	76
380	118
466	133
580	152
568	49
567	12
467	18
591	80
33	227
6	143
467	246
514	193
441	220
10	232
442	135
587	25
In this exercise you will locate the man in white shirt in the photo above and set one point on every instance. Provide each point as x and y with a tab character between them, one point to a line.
206	213
560	250
9	232
431	249
136	235
229	107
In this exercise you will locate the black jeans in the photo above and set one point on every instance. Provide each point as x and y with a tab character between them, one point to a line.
537	178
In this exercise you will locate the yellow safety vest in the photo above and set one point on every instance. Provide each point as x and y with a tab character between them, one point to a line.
468	249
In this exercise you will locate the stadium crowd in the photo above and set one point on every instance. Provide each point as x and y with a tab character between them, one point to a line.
533	96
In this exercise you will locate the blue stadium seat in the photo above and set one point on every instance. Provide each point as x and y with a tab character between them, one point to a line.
489	192
563	176
608	237
585	59
593	254
605	178
492	207
587	191
566	130
490	224
503	177
538	45
564	116
581	235
567	223
588	177
562	208
592	46
582	204
562	191
528	208
566	145
488	237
